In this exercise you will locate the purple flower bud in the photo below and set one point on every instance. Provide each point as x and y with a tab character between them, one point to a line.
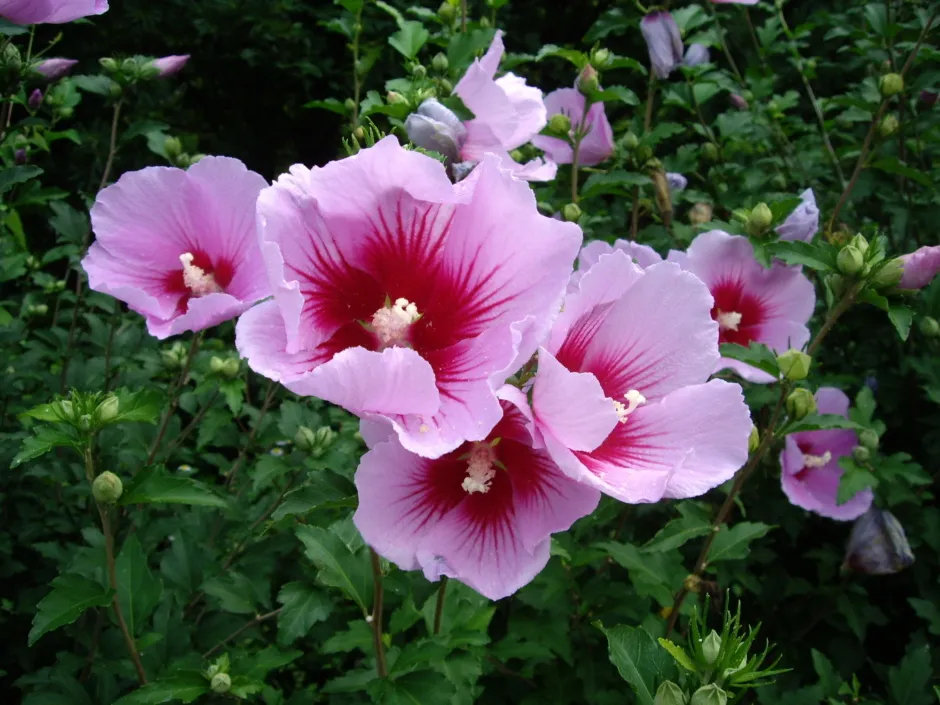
435	127
676	182
877	544
35	100
168	65
19	156
663	41
803	222
929	98
920	267
696	54
737	101
54	69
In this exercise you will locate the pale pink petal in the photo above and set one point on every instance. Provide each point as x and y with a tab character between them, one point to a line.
815	489
261	339
642	255
201	313
920	267
528	107
50	11
596	146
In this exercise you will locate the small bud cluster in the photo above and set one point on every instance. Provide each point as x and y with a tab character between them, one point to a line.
316	443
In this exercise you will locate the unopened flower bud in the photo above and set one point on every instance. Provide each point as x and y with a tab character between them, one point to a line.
396	98
588	80
230	368
447	13
891	84
35	100
418	71
631	141
324	437
108	409
173	147
737	101
794	364
485	22
10	58
216	364
108	64
888	126
929	327
571	213
20	156
669	693
711	647
889	275
644	153
560	124
700	213
869	439
709	694
709	152
861	454
114	90
759	220
859	243
753	440
836	283
349	104
440	63
65	409
107	488
850	261
305	438
220	683
600	57
359	133
800	403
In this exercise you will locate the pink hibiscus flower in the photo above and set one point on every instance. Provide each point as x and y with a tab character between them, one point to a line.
402	296
598	142
810	464
50	11
920	267
642	255
482	514
168	65
180	246
54	69
752	303
622	400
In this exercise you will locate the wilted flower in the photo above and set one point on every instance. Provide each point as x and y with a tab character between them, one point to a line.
663	41
752	303
20	156
738	101
803	222
436	127
597	143
50	11
34	102
623	402
929	98
920	267
54	69
180	247
877	544
676	181
696	54
507	114
399	295
168	65
810	463
483	513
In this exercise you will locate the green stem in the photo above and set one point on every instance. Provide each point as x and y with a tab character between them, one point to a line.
174	398
357	85
439	607
376	616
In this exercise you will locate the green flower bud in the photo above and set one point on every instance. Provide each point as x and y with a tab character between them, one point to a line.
929	327
517	155
231	367
173	147
753	440
129	66
794	364
850	261
571	213
446	86
861	454
889	275
324	438
10	58
65	409
108	409
212	670
84	422
759	220
305	438
220	683
349	104
644	153
600	57
440	63
800	403
669	693
359	134
107	488
396	98
859	242
447	13
709	152
115	90
869	439
709	694
891	84
711	647
888	126
108	64
836	283
588	80
560	124
485	22
216	364
631	141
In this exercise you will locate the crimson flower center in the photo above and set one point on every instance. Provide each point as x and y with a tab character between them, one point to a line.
737	313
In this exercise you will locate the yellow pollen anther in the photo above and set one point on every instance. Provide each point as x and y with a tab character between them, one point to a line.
480	472
817	461
196	279
728	320
390	323
634	399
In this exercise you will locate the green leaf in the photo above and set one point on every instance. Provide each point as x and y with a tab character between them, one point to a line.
892	165
928	611
757	355
908	680
399	20
820	256
234	392
46	438
302	608
901	317
338	567
614	182
318	492
9	29
144	406
416	688
615	93
184	686
139	591
100	85
640	660
853	480
864	406
409	39
331	104
816	422
11	176
676	533
577	58
71	595
678	653
734	543
652	574
155	486
234	592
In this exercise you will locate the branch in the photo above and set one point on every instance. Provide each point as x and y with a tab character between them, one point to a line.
248	625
